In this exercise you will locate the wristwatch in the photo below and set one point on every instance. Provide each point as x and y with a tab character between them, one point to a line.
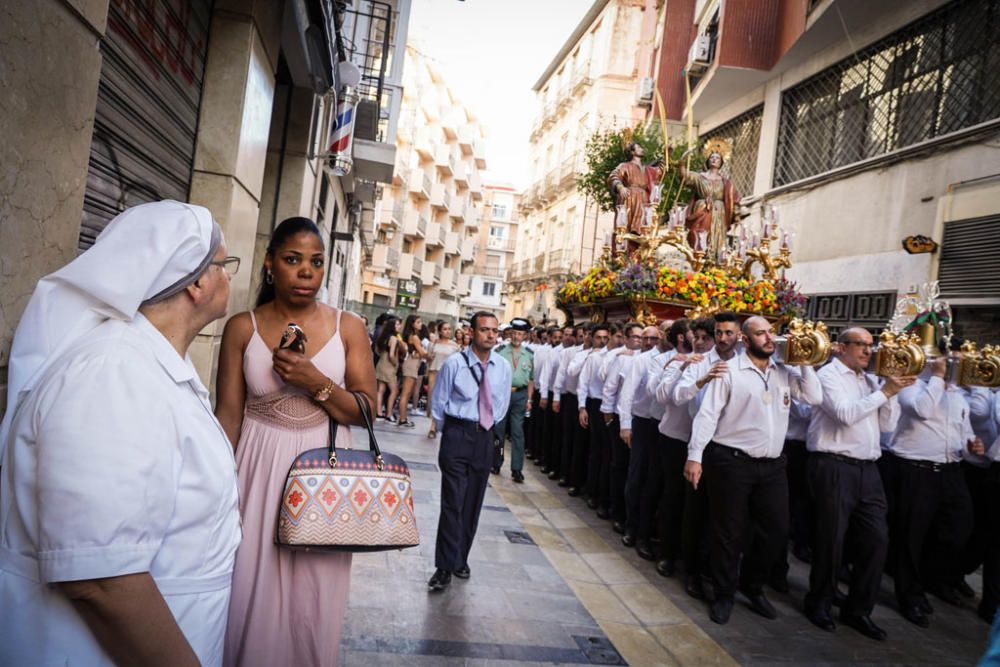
325	392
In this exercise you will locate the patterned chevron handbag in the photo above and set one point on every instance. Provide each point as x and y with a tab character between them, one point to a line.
351	500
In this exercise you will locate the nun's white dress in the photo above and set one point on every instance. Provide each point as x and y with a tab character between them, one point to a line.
115	465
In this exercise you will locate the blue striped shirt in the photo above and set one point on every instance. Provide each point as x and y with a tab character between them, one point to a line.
456	390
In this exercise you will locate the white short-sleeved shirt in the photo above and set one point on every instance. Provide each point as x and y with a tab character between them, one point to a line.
115	465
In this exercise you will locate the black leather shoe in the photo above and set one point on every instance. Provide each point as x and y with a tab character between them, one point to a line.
495	470
563	482
573	492
839	599
628	539
439	581
618	527
694	587
720	610
553	474
666	567
865	625
821	619
914	614
463	572
517	476
644	549
544	470
761	605
925	605
592	503
948	594
964	589
529	456
603	513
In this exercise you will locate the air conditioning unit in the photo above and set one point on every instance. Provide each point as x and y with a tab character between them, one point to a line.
644	94
698	56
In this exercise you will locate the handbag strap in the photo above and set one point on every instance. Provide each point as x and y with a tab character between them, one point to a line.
366	418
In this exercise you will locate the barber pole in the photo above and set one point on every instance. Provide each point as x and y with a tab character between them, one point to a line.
342	136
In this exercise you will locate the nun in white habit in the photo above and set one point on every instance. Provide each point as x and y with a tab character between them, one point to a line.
118	501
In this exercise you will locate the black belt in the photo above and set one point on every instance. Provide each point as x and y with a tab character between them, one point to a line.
933	466
740	454
841	457
466	423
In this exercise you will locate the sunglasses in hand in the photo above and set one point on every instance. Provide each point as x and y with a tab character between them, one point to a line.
294	338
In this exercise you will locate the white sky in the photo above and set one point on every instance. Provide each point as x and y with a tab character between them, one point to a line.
491	52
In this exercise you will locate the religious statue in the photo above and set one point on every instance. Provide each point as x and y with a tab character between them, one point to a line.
631	184
713	207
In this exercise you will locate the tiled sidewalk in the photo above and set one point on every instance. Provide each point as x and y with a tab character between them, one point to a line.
577	596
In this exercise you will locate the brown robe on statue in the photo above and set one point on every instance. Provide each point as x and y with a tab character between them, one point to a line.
640	181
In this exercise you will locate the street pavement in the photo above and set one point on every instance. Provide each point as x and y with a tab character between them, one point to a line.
552	584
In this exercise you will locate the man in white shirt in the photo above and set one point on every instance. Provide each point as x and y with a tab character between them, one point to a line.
637	430
740	432
589	398
568	384
715	341
535	422
991	547
983	416
615	373
933	506
551	433
843	438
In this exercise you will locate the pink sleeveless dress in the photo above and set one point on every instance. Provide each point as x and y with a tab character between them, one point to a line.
287	607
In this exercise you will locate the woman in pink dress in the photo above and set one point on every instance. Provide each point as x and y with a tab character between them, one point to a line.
287	607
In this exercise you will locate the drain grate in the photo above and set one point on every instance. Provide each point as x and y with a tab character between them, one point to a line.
496	508
599	650
419	465
518	537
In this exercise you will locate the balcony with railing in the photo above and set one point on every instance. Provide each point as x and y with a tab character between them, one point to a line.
419	184
466	138
548	115
444	161
448	280
439	197
451	243
464	286
563	261
461	174
567	172
502	243
431	274
414	224
548	189
458	209
423	143
385	259
468	249
410	266
479	153
538	265
490	271
435	235
391	214
581	81
472	214
400	175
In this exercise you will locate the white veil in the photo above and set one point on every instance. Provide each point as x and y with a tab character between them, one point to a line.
145	254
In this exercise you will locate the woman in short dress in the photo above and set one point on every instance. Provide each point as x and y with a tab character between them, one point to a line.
388	346
411	367
287	607
443	348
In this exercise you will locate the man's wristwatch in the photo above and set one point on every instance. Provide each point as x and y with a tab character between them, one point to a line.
325	392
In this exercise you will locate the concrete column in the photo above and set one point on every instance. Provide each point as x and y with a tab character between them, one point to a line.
232	141
50	70
767	150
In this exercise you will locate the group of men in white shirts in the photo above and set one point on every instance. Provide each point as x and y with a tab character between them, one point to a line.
698	443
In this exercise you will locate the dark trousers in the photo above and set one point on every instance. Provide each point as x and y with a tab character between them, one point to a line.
513	422
550	435
991	549
933	522
581	448
465	458
745	494
977	478
599	458
568	424
643	443
620	455
799	509
674	490
888	465
850	507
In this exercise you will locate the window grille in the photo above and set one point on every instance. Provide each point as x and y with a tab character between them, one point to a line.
870	310
967	270
937	75
743	134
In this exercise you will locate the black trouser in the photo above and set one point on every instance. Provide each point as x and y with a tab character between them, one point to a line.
465	458
673	491
530	441
934	520
977	478
745	494
619	470
550	434
568	421
639	475
850	506
888	464
599	459
991	551
799	510
581	448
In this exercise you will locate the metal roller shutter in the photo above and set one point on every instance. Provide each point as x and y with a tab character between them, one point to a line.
969	270
147	107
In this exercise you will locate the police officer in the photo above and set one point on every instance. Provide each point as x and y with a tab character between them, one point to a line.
522	387
471	395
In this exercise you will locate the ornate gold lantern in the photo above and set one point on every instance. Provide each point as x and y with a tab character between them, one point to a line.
805	344
979	368
899	354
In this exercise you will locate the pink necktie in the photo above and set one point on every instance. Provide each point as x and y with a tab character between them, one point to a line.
485	402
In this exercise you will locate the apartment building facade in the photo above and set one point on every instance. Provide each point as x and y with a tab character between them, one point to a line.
428	219
865	125
226	105
494	251
593	82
